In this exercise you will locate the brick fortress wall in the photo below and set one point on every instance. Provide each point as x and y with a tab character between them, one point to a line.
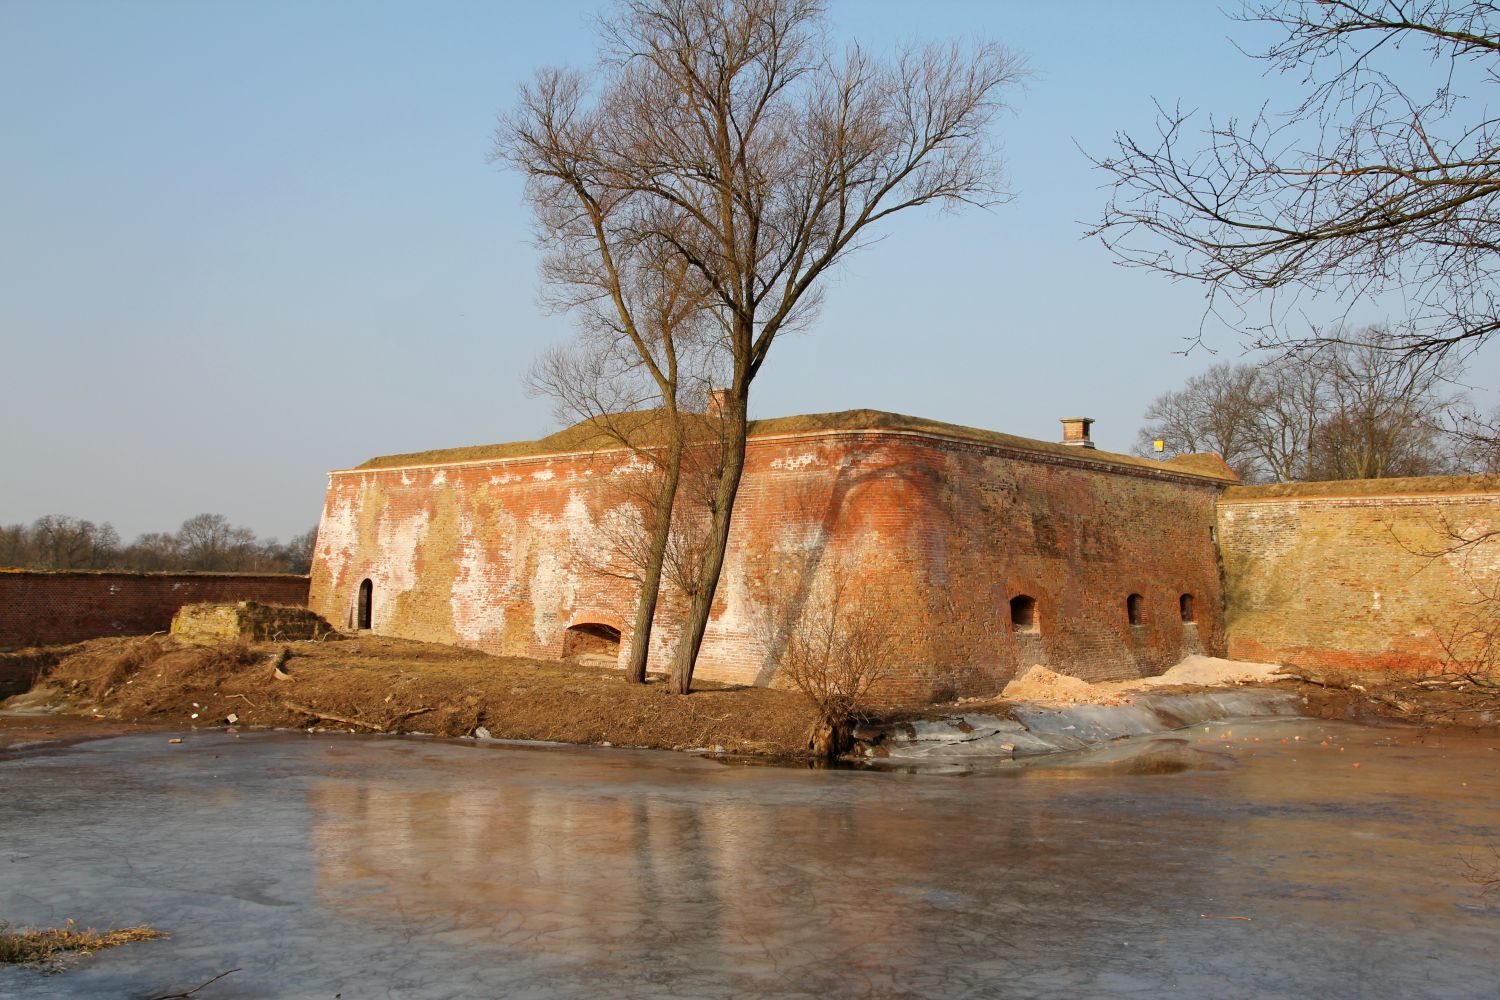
506	555
39	608
1357	575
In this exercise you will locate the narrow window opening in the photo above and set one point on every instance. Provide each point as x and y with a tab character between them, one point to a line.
1023	614
1185	602
592	644
366	595
1135	609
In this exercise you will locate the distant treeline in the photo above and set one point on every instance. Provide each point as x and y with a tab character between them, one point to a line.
205	543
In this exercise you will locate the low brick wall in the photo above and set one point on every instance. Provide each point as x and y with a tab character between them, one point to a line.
43	608
1360	576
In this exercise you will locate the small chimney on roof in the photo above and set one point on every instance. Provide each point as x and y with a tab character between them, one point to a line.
1076	431
716	398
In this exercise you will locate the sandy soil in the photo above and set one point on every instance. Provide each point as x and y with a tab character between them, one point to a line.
1461	702
1041	684
375	684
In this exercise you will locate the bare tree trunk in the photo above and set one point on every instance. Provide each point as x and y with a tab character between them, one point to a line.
691	640
661	535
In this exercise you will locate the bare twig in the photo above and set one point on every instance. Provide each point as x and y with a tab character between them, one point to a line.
330	717
384	727
195	989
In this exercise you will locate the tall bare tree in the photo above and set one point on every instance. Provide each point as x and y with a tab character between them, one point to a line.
645	346
1385	178
729	131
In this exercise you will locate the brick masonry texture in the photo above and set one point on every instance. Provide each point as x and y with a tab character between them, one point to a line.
251	621
42	608
505	555
1362	581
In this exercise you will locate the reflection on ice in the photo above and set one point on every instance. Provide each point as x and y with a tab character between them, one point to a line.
408	868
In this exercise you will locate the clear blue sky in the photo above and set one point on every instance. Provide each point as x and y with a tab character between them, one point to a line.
242	243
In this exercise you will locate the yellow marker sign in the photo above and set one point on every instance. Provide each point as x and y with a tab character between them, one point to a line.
1159	445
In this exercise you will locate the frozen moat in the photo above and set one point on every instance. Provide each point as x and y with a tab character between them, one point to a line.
1258	861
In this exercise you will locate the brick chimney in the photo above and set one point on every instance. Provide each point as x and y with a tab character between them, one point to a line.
716	398
1076	431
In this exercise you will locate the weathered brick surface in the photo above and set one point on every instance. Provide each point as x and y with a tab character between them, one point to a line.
44	608
1360	581
505	554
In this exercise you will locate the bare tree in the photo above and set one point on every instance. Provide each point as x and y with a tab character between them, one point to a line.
1351	409
834	646
15	546
1385	178
62	542
1382	412
1290	404
735	138
210	542
153	551
1214	411
207	542
1476	439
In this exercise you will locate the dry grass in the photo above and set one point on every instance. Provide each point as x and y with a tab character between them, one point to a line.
49	945
1368	487
375	683
643	430
116	665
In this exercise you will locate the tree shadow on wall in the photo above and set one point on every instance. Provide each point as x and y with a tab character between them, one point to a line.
791	576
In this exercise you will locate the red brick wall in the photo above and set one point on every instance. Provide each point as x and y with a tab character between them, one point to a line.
504	555
1359	581
44	608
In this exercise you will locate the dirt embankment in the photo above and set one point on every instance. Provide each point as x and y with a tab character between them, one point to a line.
373	684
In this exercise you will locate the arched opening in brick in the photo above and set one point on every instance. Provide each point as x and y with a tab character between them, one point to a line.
1023	615
1135	609
366	601
1185	604
592	644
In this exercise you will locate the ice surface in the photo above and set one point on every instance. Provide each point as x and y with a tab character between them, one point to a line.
408	868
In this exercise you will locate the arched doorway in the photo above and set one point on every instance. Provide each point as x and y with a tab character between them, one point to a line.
593	644
366	600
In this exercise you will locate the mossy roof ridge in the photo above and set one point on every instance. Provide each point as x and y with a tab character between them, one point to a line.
643	429
1367	487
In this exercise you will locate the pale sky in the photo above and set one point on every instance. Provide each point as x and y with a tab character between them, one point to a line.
243	243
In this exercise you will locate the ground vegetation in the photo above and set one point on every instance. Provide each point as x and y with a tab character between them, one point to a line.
832	644
51	946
